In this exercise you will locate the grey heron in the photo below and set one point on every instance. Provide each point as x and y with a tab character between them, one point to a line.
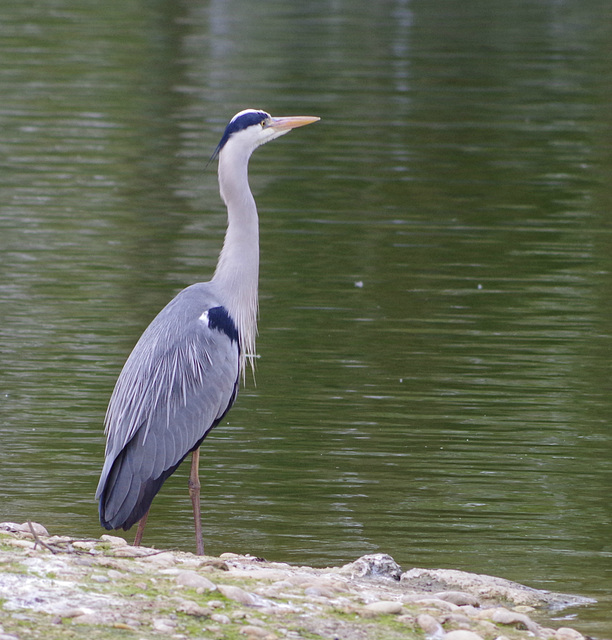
183	374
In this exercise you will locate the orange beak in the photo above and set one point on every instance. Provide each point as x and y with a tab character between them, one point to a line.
291	122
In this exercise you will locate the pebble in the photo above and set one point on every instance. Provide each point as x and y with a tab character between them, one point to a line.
462	634
60	540
221	618
318	591
24	527
213	629
438	603
133	623
254	621
131	552
253	631
189	578
113	574
458	619
501	615
283	584
375	565
192	608
73	612
212	564
85	545
164	625
430	625
114	541
259	574
460	598
96	617
486	627
25	544
165	559
98	577
383	607
238	594
524	608
565	633
215	604
125	626
118	564
331	585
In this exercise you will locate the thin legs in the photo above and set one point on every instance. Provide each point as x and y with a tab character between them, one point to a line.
142	523
194	492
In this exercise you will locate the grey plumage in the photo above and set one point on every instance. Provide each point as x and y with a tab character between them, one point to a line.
183	374
179	381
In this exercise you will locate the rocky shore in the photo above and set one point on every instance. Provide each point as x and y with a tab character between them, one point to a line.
60	587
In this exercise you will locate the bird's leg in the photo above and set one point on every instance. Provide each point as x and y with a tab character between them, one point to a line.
142	523
194	492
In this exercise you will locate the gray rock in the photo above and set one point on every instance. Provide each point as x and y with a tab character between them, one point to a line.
192	608
189	578
114	541
253	631
500	615
376	565
385	607
220	618
238	594
431	627
462	634
13	527
460	598
164	625
319	591
159	560
132	552
436	603
93	617
488	588
565	633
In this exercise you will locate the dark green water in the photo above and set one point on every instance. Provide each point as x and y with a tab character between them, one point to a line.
436	281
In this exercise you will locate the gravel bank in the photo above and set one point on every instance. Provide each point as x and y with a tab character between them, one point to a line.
59	587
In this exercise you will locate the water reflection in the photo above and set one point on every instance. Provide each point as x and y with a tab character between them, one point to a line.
452	409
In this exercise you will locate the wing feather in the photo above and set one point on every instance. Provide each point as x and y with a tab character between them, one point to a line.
178	382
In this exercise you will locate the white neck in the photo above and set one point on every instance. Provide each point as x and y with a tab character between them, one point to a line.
237	270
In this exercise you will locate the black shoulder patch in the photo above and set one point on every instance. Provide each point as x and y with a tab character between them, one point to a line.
219	319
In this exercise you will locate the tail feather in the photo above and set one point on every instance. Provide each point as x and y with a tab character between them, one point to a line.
126	496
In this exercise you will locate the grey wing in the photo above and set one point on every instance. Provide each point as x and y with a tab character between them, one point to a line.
179	381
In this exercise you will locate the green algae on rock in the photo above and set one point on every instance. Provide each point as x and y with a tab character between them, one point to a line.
61	587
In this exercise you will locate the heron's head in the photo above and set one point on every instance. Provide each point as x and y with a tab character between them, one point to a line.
252	127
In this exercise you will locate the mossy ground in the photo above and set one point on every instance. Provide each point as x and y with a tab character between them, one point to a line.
106	590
